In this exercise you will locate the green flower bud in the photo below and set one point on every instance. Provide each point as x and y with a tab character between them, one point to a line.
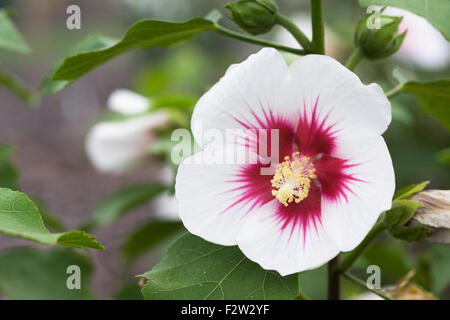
378	43
254	16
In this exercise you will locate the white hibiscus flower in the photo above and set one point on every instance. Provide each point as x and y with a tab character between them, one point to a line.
335	176
127	102
117	146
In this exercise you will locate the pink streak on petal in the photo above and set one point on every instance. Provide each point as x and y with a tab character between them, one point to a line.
269	121
253	187
301	216
313	135
336	183
316	137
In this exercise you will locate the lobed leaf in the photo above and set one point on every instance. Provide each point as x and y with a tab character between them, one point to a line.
434	98
196	269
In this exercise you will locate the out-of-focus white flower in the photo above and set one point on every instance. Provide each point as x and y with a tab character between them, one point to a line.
303	21
127	102
423	44
166	207
116	146
434	213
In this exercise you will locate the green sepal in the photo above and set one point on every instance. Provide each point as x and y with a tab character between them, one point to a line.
397	218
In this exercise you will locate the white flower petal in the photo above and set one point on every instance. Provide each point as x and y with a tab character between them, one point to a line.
347	221
208	198
262	241
127	102
357	113
257	82
115	147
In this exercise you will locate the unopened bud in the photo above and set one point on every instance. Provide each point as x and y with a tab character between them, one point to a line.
381	41
254	16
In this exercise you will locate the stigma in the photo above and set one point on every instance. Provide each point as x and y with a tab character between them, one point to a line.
292	180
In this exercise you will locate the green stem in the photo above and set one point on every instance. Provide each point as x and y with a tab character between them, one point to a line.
334	286
354	59
301	295
242	37
351	258
391	93
301	38
362	283
318	30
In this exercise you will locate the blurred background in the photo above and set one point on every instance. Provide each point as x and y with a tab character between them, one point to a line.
48	141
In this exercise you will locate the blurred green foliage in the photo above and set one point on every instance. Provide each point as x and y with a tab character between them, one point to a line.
27	273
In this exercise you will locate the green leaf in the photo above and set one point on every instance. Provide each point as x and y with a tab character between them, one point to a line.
434	97
10	38
8	175
408	191
435	11
20	217
314	283
196	269
143	34
148	237
16	87
122	201
32	274
8	172
92	42
129	291
174	101
53	222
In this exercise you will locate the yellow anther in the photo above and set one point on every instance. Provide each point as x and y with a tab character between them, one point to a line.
292	180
